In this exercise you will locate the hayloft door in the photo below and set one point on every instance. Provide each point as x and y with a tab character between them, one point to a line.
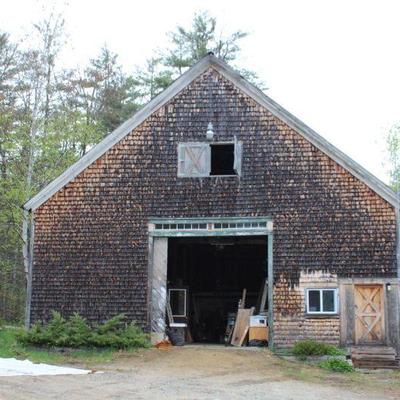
369	314
194	159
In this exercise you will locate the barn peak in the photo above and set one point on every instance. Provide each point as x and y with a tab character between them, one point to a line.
211	61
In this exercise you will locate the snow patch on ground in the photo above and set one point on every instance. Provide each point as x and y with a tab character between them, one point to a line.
14	367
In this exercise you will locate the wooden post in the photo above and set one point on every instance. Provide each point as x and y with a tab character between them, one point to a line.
270	278
159	288
243	300
264	297
28	237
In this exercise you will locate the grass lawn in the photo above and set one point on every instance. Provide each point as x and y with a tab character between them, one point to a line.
384	381
10	348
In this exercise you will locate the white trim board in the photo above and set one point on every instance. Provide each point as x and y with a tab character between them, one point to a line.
176	87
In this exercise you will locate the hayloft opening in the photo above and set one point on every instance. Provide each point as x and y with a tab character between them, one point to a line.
207	276
222	159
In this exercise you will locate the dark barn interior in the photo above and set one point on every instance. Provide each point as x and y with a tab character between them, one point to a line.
222	159
214	272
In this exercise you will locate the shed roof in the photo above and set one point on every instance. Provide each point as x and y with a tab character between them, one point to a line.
257	95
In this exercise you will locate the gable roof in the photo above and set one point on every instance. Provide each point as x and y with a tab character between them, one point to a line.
257	95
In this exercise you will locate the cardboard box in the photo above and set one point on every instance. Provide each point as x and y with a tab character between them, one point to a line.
258	333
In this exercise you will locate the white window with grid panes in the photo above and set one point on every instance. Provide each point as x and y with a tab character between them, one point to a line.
322	301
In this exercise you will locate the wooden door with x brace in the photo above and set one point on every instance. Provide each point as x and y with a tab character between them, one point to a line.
369	314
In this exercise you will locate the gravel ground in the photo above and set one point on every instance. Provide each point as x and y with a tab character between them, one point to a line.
201	372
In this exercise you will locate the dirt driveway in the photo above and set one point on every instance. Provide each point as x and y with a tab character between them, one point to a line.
204	372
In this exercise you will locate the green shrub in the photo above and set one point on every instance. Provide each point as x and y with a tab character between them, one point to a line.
336	365
76	332
130	336
54	333
305	348
114	324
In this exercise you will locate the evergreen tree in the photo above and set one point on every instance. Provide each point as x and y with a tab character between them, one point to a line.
115	94
153	79
98	99
187	46
190	45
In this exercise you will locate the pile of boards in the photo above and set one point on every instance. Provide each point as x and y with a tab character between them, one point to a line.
249	328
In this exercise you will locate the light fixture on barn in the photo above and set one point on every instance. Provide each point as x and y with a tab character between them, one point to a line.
210	131
210	127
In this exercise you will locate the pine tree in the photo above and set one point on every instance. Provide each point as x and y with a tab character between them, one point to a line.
187	46
190	45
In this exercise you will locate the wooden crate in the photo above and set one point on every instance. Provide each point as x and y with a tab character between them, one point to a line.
258	333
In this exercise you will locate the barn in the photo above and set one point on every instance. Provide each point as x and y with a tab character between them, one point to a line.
210	189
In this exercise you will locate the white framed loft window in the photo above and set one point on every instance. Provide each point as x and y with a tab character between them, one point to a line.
321	301
177	300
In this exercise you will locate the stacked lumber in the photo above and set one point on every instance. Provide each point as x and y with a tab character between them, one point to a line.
244	328
377	357
242	325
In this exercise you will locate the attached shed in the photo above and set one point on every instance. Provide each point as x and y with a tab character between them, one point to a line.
209	189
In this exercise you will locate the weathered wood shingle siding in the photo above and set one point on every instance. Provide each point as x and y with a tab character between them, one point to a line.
91	239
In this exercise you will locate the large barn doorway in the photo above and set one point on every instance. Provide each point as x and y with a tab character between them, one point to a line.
198	268
206	277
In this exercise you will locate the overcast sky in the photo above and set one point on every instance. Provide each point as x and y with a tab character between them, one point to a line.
334	64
